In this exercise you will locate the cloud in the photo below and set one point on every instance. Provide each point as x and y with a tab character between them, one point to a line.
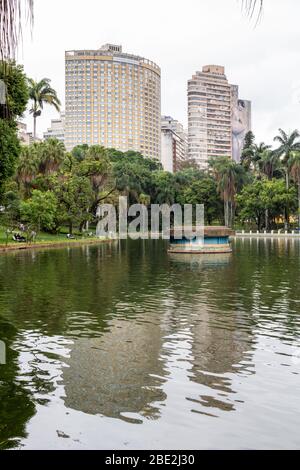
181	37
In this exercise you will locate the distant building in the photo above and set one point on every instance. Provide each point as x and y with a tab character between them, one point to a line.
173	144
22	133
241	122
217	119
113	99
26	138
57	129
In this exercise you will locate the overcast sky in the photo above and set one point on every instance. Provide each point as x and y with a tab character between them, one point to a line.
180	36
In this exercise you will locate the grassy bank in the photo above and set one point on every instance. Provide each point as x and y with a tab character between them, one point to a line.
46	240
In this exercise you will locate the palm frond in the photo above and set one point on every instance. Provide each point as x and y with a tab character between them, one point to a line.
253	8
13	14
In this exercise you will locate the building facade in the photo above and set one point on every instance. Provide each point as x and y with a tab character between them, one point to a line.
57	129
241	122
25	137
212	113
173	144
113	99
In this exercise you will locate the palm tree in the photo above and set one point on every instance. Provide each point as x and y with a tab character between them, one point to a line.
98	166
27	168
252	152
289	144
41	93
267	163
229	176
52	153
295	174
12	15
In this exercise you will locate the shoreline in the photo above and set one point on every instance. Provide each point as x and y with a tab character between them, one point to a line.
94	241
294	236
50	244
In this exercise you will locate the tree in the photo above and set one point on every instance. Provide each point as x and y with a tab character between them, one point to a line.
11	202
258	151
295	174
264	194
69	163
250	204
79	152
164	188
267	163
204	191
276	197
9	150
12	17
41	93
52	154
40	210
97	167
187	164
229	176
16	90
248	150
75	195
134	175
15	104
27	168
289	143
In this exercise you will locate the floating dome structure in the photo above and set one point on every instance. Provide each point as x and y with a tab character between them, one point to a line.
212	240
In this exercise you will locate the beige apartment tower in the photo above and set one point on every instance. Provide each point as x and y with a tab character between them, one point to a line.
217	119
113	99
209	115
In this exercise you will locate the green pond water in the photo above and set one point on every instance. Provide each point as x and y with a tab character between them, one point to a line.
122	346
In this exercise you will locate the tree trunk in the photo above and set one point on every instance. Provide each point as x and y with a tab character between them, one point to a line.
226	213
232	214
229	214
299	205
287	211
267	219
71	228
34	128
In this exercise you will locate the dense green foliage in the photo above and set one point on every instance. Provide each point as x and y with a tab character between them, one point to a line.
9	149
40	210
263	190
14	87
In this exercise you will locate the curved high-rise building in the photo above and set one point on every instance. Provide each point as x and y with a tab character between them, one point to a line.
113	99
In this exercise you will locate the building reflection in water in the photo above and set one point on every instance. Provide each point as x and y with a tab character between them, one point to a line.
181	340
219	343
127	332
117	374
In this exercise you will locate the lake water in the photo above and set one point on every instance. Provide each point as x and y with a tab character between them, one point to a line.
122	346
